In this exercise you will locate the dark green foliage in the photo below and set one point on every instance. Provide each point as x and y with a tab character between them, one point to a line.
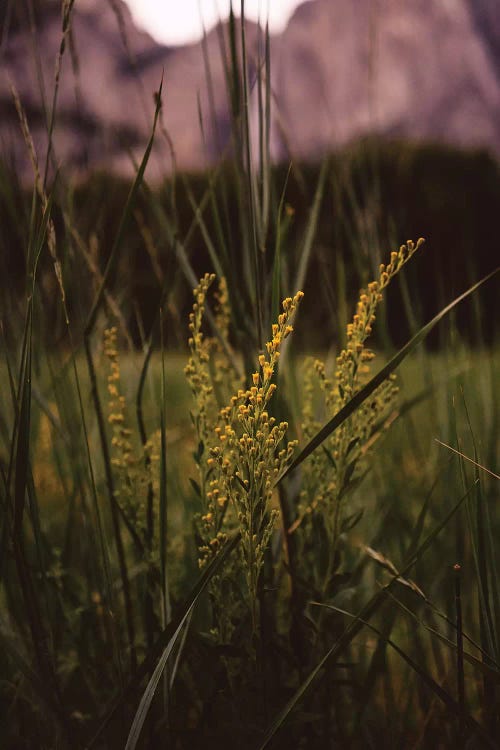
446	195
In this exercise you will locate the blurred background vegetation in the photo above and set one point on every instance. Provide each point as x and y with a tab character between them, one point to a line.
375	195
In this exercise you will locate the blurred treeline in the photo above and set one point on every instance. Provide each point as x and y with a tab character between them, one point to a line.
16	15
374	196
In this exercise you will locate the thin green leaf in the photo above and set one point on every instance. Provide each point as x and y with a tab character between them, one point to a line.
198	215
310	233
165	642
23	438
452	705
149	693
492	671
353	629
312	225
163	530
124	221
467	458
23	421
276	286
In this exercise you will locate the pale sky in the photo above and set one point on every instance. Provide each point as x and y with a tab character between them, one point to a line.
179	21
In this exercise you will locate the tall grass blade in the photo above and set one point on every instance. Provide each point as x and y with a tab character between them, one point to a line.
67	8
487	583
460	656
257	260
125	218
163	519
165	643
312	226
354	628
178	656
276	295
492	671
21	436
124	221
453	706
214	257
163	478
468	458
310	233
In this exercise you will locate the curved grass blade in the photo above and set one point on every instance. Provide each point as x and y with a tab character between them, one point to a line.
147	698
276	285
198	216
89	325
452	705
379	378
311	228
355	626
485	563
165	643
65	30
127	213
185	265
21	438
491	671
180	650
149	693
310	234
257	262
468	458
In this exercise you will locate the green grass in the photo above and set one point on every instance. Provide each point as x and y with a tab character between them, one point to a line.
407	464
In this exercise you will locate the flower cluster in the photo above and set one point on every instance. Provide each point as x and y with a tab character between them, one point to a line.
352	367
329	474
123	456
133	472
197	369
208	366
246	450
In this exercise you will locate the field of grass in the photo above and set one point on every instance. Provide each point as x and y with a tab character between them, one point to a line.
218	530
401	663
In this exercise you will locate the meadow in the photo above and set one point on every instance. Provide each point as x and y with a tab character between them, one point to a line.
249	456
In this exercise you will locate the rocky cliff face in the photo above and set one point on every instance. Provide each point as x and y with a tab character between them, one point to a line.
425	69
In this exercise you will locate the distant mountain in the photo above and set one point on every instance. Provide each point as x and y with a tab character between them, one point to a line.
423	69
